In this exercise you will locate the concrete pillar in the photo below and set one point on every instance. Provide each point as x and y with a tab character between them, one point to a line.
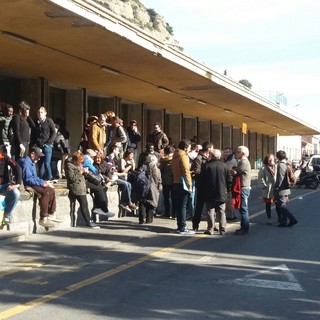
203	131
75	116
252	145
216	135
226	135
189	128
237	138
30	91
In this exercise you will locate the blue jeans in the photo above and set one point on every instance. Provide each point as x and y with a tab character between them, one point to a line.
45	163
125	188
181	199
11	198
282	210
244	208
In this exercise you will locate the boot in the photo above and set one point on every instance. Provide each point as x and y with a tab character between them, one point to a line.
150	214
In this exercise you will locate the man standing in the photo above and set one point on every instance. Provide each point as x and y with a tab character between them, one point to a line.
231	162
197	164
44	135
45	189
182	184
5	134
282	191
215	181
134	137
98	136
7	188
243	172
158	138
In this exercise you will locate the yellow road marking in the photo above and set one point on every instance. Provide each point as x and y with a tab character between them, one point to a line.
59	293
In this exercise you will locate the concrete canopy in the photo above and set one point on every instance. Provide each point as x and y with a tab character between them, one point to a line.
81	44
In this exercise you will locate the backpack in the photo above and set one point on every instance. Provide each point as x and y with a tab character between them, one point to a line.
292	179
143	183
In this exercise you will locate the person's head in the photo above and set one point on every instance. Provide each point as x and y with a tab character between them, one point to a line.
215	154
77	158
128	154
168	150
101	119
91	153
109	115
150	148
242	151
227	151
24	109
185	145
35	154
92	119
114	150
133	123
42	113
268	159
157	127
98	158
152	159
281	155
194	147
116	121
207	146
8	110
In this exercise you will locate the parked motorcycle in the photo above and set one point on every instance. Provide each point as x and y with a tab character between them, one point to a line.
309	179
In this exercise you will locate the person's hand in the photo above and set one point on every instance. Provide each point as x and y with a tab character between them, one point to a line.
12	186
48	184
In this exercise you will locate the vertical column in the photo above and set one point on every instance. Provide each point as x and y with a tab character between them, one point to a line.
76	115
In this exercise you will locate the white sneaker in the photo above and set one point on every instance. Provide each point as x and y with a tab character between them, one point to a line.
125	207
46	223
102	213
53	217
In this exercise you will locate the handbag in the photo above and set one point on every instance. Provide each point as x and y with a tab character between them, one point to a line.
96	179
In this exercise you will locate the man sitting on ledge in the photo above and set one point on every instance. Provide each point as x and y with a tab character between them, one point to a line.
45	189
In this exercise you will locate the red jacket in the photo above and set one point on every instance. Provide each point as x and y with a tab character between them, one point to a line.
236	192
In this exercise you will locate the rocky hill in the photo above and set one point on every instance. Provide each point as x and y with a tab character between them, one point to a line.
147	19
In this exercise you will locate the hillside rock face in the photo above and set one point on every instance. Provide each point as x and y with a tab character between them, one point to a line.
135	12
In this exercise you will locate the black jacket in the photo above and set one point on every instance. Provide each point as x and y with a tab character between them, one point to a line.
44	133
6	161
215	181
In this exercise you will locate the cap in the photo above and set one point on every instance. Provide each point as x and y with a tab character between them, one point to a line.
91	153
37	151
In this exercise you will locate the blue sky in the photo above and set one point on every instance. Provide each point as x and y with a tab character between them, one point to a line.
275	44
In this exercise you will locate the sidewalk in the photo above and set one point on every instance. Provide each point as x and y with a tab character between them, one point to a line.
25	216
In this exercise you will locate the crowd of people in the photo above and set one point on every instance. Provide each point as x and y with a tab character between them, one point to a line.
191	177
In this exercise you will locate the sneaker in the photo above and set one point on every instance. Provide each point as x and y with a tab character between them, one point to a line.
269	221
241	232
93	225
292	223
125	207
53	217
186	231
44	222
223	232
209	231
132	206
102	213
6	220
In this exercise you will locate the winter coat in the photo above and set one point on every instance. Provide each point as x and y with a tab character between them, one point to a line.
267	179
166	171
76	182
181	167
29	173
215	181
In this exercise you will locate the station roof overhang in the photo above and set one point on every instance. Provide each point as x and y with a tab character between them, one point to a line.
81	44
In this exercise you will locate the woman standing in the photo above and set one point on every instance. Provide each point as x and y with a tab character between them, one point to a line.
21	125
267	177
76	184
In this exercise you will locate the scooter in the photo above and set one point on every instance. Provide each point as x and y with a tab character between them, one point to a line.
309	179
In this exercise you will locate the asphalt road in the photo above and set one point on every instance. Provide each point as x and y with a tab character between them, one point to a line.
129	271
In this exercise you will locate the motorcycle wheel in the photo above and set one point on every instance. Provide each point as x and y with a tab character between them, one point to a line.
313	185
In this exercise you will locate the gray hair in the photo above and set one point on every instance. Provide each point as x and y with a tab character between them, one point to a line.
216	154
244	150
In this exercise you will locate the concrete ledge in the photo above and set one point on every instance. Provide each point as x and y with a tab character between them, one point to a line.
26	215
